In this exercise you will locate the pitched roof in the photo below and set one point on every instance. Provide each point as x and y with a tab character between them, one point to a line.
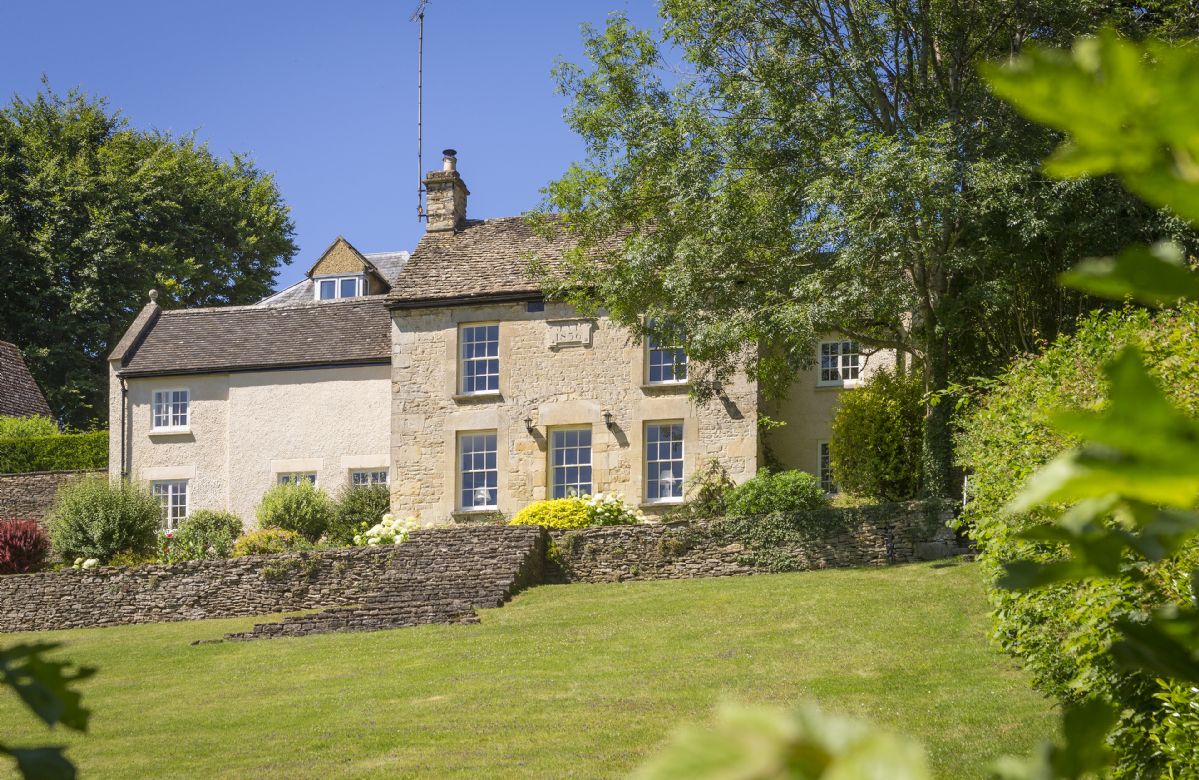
483	259
354	331
387	264
19	393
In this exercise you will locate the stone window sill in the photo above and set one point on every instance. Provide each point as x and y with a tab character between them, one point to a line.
659	504
665	387
468	516
171	432
477	398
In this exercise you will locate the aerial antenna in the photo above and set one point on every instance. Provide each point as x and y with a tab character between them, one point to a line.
419	16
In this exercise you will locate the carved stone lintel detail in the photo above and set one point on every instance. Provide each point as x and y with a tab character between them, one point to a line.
563	334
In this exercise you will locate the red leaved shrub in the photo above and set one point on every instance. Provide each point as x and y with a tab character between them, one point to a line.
24	546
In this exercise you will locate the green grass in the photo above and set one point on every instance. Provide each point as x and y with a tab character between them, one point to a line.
566	681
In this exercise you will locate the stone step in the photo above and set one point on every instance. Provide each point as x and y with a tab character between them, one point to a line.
436	577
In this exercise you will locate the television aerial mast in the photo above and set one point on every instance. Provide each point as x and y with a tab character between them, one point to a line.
418	16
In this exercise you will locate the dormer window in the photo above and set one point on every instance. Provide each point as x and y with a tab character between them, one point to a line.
332	288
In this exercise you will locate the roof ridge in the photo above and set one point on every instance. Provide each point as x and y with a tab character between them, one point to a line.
362	299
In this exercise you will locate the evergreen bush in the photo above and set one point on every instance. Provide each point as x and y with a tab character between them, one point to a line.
875	443
1062	633
555	513
205	534
59	452
770	492
13	427
97	518
269	541
355	506
301	507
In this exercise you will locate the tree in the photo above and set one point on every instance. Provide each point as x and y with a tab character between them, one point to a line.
832	166
94	213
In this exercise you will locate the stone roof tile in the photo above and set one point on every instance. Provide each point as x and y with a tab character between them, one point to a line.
241	338
19	394
484	258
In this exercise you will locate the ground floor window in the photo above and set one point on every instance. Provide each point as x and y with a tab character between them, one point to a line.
172	495
570	453
296	477
368	477
664	461
826	469
478	474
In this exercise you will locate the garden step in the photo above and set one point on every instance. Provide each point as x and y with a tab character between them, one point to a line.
440	577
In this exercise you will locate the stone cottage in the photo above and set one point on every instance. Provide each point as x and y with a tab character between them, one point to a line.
445	374
19	394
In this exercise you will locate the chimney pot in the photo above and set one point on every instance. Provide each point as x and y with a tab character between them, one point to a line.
449	160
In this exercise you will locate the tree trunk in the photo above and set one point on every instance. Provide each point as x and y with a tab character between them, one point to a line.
937	444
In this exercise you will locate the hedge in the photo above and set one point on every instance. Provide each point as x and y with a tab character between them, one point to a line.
68	452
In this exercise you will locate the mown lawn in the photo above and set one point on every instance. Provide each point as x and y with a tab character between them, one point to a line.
565	681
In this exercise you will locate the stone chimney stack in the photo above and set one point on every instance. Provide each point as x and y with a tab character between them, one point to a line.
445	195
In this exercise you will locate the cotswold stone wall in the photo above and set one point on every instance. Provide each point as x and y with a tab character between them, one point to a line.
828	538
455	567
31	495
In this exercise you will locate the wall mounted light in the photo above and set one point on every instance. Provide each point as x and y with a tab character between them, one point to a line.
529	424
608	423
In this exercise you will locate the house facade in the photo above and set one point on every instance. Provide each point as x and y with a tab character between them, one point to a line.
446	375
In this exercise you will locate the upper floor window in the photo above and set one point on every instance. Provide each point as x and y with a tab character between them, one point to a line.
570	453
296	477
336	287
171	410
478	472
666	361
368	477
479	358
839	362
172	496
663	461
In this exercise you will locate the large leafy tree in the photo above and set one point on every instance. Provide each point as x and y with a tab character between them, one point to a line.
93	213
776	169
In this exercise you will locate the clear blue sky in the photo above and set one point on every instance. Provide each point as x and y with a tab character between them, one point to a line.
323	94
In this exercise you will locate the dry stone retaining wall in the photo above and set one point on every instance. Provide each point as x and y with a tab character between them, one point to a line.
467	564
866	536
31	495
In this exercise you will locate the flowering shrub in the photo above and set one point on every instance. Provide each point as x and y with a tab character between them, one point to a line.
88	563
610	509
388	530
24	546
576	512
268	541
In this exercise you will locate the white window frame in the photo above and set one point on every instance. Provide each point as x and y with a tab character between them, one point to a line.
361	286
175	422
652	345
649	461
824	468
463	360
364	477
166	491
554	467
294	477
838	360
460	472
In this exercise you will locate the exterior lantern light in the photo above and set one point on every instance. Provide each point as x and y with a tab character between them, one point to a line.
529	424
608	423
